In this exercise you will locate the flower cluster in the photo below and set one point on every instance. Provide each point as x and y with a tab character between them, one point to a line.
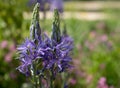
40	54
53	55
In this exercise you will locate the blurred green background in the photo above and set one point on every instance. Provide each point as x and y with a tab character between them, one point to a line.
95	28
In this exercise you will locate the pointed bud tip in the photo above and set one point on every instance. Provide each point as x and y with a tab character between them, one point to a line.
37	6
56	12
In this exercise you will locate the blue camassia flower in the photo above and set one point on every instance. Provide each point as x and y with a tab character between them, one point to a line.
55	57
56	4
28	53
53	53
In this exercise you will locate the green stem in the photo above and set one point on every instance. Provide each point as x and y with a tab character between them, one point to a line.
63	79
51	83
51	80
40	81
34	75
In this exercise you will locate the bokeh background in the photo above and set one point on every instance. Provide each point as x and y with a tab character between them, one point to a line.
94	26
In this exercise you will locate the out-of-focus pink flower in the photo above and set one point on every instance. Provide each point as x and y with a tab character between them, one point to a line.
89	79
72	81
89	45
104	38
102	83
92	34
4	44
12	47
12	75
8	57
76	69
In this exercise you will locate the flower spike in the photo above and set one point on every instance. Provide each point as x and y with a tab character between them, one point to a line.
56	35
35	30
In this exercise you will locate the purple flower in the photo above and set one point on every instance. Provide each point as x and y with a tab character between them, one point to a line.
102	83
4	44
57	57
54	56
27	45
56	4
8	57
54	53
28	54
29	51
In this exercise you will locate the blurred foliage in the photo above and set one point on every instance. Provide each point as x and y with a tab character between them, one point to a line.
11	18
97	49
11	21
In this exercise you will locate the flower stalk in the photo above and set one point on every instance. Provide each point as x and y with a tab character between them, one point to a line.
35	32
42	56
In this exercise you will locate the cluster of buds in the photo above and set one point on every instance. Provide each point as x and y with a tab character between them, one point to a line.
40	54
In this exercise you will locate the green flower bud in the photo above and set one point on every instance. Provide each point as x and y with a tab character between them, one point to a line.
35	30
56	35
